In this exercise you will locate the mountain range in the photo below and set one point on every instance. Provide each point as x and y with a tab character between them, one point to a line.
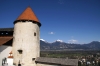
60	45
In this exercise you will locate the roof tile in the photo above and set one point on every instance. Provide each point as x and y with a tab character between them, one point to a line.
28	14
4	40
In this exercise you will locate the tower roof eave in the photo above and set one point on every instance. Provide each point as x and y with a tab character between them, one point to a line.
38	23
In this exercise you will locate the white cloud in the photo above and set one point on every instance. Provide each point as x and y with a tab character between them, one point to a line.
72	41
51	33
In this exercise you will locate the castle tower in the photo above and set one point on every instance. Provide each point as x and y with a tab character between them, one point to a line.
26	39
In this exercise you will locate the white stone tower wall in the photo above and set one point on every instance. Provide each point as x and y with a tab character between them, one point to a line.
25	40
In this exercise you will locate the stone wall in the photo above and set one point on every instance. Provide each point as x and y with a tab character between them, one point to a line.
40	64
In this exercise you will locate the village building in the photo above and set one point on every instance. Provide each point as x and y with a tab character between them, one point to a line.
20	46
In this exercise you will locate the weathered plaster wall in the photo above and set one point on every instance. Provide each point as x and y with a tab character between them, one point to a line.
39	64
4	52
24	39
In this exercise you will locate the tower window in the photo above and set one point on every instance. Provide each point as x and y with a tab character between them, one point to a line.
34	34
33	59
20	51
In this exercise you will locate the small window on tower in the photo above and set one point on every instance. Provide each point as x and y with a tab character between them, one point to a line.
34	34
33	59
20	51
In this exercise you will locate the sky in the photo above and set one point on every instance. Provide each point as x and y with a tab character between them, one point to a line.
72	21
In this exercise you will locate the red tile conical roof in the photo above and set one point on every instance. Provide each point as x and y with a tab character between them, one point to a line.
28	14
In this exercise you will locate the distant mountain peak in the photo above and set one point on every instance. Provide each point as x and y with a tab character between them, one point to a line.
42	39
60	45
59	40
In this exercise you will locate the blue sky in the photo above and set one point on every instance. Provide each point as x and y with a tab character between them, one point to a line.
75	21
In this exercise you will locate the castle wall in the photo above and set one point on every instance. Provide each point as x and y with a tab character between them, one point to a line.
4	52
40	64
26	38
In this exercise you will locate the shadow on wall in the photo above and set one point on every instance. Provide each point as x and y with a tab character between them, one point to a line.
3	48
8	43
